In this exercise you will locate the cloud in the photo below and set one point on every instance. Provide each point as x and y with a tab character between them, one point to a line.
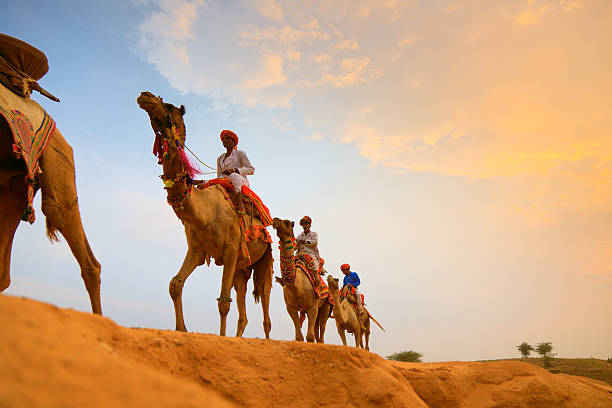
267	8
499	102
533	13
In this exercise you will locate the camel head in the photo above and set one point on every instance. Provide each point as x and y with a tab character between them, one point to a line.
332	283
284	228
167	123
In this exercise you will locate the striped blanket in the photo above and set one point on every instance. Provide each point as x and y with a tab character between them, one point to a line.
262	210
23	117
345	291
306	264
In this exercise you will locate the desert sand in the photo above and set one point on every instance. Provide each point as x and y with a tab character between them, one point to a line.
53	357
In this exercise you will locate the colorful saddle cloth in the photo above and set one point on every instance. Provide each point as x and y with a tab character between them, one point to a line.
250	198
306	264
23	117
345	291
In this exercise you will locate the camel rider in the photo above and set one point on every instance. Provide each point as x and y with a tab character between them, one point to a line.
235	166
308	241
351	279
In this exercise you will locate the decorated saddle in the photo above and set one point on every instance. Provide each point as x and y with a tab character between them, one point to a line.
306	264
252	203
31	128
346	291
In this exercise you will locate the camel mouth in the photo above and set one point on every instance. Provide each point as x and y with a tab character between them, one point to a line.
147	100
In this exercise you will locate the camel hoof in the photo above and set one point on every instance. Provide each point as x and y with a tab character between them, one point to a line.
310	339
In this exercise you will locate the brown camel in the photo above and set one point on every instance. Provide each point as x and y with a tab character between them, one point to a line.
59	204
211	225
298	292
346	317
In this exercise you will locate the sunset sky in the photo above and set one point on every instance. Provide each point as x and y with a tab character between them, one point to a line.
458	154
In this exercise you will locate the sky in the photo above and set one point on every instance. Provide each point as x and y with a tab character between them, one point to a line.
458	154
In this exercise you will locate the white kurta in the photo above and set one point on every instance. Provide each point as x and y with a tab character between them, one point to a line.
237	159
308	244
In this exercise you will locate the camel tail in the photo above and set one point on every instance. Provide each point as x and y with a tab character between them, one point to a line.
262	274
51	231
375	321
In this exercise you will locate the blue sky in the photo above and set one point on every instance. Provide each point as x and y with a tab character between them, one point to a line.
457	154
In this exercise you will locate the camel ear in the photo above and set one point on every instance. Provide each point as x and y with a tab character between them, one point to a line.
182	110
292	224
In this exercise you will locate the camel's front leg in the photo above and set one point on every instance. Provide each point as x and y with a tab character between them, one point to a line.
240	286
312	318
192	259
293	313
358	343
59	204
342	335
230	257
12	204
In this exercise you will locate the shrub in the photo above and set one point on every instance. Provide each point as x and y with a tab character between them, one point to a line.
545	350
409	356
525	349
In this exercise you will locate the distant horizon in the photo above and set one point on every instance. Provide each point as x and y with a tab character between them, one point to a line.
457	154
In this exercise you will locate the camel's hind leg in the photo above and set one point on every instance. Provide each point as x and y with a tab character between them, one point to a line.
240	285
262	280
59	204
322	323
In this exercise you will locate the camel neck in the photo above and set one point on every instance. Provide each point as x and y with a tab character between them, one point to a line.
178	185
338	311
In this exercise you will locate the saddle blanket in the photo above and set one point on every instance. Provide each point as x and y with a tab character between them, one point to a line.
306	264
262	210
23	116
345	291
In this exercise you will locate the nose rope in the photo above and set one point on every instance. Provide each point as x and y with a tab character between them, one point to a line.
198	159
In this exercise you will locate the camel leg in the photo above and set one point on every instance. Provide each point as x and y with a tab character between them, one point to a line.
293	313
192	260
12	203
358	343
59	204
223	302
367	340
240	285
262	280
312	317
316	330
322	319
265	307
342	336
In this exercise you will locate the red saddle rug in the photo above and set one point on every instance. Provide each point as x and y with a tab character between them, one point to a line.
29	144
262	211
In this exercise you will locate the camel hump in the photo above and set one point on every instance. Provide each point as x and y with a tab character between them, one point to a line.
17	55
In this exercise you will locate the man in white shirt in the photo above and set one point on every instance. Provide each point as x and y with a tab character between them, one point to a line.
235	166
308	241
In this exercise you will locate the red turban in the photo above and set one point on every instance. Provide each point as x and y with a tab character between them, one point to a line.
231	135
345	266
305	220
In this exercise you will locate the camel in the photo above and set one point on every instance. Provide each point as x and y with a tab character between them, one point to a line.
298	292
346	317
211	225
53	172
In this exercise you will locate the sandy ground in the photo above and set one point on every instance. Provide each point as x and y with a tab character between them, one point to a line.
52	357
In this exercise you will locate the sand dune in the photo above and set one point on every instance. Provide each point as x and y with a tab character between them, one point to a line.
54	357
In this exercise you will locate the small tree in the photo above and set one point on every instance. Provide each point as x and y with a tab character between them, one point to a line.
409	356
525	349
545	350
